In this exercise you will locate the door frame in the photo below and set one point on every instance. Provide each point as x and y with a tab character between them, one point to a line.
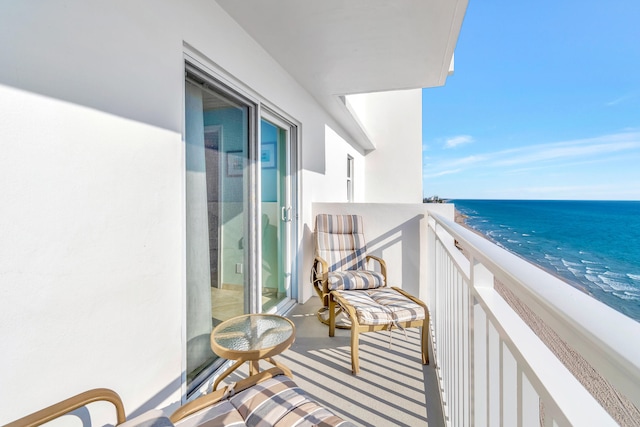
280	120
259	107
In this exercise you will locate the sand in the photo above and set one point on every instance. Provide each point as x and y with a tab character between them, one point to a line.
617	405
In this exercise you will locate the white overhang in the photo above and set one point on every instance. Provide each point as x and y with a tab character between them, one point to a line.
339	47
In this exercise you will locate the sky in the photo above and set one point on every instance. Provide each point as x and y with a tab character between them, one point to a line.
544	103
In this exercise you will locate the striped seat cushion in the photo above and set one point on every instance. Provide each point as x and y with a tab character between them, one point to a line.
402	308
340	241
355	279
222	413
383	306
277	402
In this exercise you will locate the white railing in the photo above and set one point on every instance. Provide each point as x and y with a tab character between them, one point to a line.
493	369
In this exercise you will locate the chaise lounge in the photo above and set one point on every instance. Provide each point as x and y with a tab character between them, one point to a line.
344	283
267	398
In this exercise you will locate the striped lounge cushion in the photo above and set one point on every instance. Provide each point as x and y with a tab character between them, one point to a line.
222	413
277	402
382	306
340	241
352	279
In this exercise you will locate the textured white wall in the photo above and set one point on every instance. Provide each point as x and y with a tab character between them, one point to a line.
90	255
393	121
334	187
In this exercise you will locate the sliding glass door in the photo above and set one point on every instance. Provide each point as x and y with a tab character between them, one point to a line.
239	213
217	138
277	209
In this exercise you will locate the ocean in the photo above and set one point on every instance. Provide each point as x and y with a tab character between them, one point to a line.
593	245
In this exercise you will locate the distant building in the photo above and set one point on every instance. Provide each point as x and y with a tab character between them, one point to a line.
434	199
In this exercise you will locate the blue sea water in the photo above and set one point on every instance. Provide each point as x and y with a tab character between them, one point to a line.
594	245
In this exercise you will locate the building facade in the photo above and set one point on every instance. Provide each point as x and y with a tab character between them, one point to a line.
159	164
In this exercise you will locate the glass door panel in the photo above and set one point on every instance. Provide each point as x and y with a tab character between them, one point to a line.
217	133
276	213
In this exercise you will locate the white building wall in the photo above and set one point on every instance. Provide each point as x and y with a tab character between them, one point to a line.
92	231
90	255
330	186
334	187
393	121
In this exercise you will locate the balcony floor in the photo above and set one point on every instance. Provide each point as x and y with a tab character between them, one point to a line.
392	388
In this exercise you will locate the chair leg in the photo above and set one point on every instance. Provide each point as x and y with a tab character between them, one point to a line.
425	341
355	362
355	328
332	317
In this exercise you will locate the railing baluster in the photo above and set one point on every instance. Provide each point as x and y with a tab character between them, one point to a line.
509	387
479	367
530	413
494	356
487	358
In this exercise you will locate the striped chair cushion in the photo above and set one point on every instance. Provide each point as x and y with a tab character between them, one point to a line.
340	241
402	308
383	306
222	413
352	279
277	402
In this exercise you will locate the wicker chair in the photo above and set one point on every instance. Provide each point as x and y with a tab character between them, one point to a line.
345	285
267	398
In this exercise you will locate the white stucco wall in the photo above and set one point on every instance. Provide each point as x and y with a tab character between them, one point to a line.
334	186
393	121
90	255
92	250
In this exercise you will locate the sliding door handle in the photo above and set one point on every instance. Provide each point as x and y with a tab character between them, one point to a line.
285	214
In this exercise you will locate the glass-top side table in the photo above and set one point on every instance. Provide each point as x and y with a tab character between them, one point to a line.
250	338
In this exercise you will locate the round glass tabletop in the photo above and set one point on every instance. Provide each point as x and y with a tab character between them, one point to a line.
251	333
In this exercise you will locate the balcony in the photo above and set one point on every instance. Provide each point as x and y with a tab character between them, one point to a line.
493	362
488	366
392	388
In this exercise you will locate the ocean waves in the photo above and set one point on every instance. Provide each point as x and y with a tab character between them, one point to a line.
562	237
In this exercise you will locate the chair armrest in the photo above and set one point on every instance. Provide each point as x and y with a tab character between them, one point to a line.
383	266
322	274
71	404
212	398
351	311
412	298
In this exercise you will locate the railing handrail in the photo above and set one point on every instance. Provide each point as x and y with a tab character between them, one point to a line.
607	339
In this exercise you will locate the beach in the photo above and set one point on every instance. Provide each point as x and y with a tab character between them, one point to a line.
620	408
585	243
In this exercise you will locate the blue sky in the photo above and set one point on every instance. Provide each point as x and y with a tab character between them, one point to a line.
544	104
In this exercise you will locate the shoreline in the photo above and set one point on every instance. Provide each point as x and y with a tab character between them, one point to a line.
460	218
615	403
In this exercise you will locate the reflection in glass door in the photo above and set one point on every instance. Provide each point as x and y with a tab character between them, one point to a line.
217	135
277	211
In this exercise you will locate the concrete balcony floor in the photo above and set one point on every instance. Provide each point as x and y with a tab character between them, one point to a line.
392	388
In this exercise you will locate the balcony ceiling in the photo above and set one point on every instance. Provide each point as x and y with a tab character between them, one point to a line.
340	47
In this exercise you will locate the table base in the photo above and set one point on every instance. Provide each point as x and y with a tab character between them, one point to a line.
253	369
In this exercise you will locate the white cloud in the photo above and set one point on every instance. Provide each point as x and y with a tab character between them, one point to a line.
442	173
621	99
469	160
567	150
526	160
458	140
